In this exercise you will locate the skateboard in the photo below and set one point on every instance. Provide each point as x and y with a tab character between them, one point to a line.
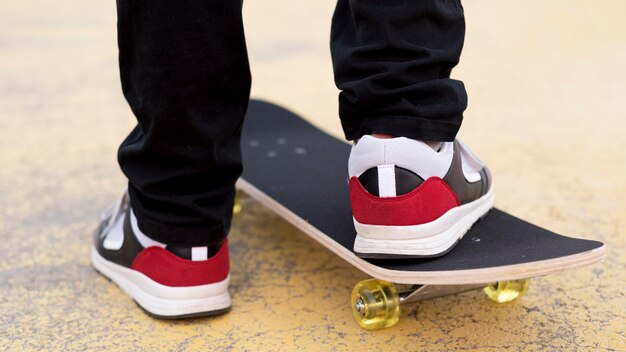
300	172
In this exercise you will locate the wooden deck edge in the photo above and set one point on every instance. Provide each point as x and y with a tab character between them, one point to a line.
449	277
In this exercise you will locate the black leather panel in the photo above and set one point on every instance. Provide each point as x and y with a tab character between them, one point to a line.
185	252
369	181
406	181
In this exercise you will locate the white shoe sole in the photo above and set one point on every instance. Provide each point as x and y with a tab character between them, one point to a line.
165	301
424	240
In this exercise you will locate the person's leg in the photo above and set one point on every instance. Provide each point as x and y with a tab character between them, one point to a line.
392	61
414	189
185	74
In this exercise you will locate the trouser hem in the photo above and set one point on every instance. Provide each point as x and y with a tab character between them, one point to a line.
413	127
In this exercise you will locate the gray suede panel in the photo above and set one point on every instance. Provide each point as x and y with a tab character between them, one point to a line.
466	191
129	250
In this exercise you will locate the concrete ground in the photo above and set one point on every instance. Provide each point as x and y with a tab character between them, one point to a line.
546	81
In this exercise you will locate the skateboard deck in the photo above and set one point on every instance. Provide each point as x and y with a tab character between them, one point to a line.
300	172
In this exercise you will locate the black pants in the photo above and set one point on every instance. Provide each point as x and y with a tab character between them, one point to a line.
185	74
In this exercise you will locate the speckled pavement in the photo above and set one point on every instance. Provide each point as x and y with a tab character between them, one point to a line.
547	83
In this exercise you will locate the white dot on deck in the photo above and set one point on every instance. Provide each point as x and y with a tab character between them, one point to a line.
272	154
300	151
281	140
253	143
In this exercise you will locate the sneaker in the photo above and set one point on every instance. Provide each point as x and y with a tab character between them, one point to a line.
165	281
410	200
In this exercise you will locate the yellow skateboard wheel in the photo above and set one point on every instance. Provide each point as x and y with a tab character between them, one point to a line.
506	291
375	304
237	205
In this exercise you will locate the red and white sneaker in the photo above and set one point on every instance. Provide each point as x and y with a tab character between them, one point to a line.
166	281
409	200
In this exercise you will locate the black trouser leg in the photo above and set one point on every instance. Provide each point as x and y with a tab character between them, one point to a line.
392	61
185	74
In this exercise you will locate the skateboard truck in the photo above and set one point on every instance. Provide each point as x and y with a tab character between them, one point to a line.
376	303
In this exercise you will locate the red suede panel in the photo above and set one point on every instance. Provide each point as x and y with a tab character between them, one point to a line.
426	203
168	269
